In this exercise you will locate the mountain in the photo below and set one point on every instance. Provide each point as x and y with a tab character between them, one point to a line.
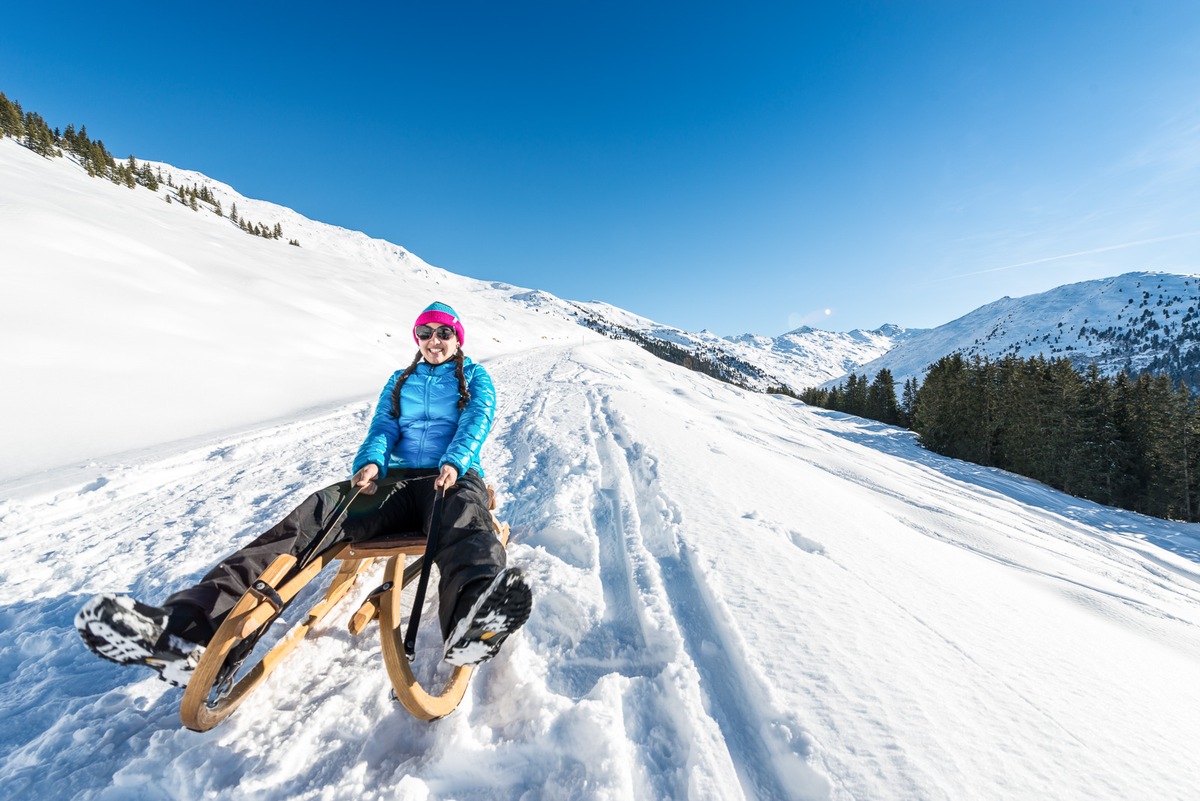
736	596
809	357
798	359
1136	322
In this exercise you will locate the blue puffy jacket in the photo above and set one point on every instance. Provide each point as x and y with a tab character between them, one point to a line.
432	431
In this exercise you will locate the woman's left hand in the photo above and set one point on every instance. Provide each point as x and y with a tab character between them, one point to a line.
447	478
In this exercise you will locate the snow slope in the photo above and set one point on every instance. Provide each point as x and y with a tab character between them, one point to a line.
118	306
736	596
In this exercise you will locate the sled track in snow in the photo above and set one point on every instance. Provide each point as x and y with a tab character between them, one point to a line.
658	614
615	644
724	678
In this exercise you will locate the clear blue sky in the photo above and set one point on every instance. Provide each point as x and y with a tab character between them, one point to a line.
735	166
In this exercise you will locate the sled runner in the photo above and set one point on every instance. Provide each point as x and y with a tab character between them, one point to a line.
212	694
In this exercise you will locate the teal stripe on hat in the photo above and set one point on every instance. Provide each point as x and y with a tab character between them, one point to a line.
441	307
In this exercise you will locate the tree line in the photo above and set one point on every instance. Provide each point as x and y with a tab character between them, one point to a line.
31	130
875	400
1127	441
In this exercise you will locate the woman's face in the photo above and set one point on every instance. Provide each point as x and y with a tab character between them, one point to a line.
434	349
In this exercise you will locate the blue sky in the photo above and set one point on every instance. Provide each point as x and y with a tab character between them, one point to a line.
731	166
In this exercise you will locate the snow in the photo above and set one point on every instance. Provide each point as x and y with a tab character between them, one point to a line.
736	595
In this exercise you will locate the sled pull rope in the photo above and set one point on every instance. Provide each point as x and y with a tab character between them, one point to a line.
431	543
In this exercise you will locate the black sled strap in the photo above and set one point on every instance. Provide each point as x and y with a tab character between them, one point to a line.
431	543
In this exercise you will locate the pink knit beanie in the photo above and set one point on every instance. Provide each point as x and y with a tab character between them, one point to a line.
440	314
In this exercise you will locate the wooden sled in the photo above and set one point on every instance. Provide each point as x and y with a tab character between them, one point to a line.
202	709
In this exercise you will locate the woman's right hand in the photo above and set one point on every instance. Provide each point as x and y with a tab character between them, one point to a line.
365	478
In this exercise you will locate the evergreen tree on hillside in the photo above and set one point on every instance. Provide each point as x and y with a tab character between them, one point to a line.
11	118
881	399
1098	457
854	398
129	172
908	400
38	136
147	178
1165	436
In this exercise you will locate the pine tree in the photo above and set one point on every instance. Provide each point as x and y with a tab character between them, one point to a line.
1097	455
148	178
11	118
854	400
881	399
908	401
38	136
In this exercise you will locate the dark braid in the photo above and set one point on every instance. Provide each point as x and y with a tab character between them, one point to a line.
412	368
464	394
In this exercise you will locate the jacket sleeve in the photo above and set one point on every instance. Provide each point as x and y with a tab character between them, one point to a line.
474	423
383	434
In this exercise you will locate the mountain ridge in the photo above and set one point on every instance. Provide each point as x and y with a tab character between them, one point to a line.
1112	322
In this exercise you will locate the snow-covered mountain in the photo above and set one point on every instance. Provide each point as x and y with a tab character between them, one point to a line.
809	357
798	359
736	596
1135	322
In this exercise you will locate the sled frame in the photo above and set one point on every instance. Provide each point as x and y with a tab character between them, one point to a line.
256	609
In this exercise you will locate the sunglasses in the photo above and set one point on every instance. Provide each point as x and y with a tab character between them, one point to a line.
444	332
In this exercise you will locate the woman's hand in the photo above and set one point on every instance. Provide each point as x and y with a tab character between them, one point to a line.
365	478
447	478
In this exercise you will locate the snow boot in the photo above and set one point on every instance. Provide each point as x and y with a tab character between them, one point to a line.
128	632
499	610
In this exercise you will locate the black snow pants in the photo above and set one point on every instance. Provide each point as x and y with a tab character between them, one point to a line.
469	554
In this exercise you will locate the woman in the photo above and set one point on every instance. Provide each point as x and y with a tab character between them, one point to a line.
426	434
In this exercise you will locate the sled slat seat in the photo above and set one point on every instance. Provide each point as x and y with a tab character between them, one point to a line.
406	544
